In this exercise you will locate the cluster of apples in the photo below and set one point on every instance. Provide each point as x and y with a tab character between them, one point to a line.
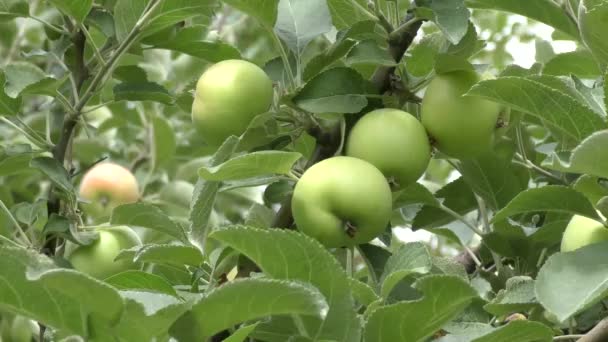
347	200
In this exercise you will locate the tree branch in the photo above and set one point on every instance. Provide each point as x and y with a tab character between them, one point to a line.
599	333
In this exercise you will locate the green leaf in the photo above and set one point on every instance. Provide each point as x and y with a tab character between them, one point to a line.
24	77
452	17
344	42
338	90
251	165
591	21
456	195
520	331
177	255
205	192
43	303
421	57
559	285
141	281
557	109
77	9
368	52
362	292
290	255
147	216
147	315
10	9
8	105
493	178
545	11
14	164
551	198
92	295
409	259
164	142
415	193
190	41
245	300
589	157
346	13
127	13
580	63
444	297
241	334
265	11
517	296
142	91
55	171
300	21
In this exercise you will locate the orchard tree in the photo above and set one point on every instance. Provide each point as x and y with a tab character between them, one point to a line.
303	170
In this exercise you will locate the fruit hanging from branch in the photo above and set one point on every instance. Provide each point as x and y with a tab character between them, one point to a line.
106	186
461	127
394	141
342	201
228	96
98	258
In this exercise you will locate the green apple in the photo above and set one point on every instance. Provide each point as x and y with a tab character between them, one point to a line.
106	186
461	127
342	201
228	96
582	231
394	141
97	259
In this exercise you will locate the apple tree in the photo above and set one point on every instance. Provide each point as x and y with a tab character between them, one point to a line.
304	170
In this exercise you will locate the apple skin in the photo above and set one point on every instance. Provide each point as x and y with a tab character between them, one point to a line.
106	186
581	232
338	191
228	96
461	127
394	141
97	259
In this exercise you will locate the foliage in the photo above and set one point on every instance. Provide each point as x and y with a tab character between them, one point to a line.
86	81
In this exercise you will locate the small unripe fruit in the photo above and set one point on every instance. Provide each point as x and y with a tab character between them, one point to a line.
228	96
106	186
461	127
581	232
97	259
342	201
394	141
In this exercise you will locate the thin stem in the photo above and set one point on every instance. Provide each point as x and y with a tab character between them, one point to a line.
483	212
300	325
284	57
49	25
567	337
473	256
530	165
365	11
5	239
38	141
462	219
16	224
370	268
92	109
90	40
65	102
349	261
122	48
398	32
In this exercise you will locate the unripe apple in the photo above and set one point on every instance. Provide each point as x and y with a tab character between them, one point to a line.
461	127
583	231
342	201
228	96
106	186
97	259
394	141
22	329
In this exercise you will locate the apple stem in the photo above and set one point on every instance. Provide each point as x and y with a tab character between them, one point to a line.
350	229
